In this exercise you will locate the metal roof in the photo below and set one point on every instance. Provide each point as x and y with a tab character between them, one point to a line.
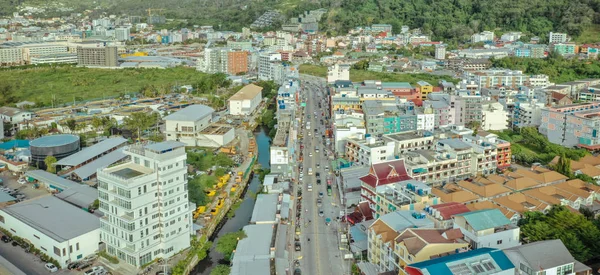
91	168
249	92
51	179
265	208
92	151
5	197
82	195
253	253
440	266
18	143
191	113
485	219
54	140
542	254
164	146
53	217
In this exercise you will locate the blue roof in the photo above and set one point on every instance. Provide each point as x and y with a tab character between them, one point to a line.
439	266
485	219
17	143
54	140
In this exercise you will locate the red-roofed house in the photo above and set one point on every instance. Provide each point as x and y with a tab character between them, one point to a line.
441	214
380	174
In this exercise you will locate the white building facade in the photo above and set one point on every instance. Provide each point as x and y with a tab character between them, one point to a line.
338	72
146	206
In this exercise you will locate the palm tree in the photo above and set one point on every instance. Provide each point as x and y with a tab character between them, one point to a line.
140	122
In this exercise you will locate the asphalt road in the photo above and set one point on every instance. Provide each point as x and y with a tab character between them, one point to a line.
320	255
26	262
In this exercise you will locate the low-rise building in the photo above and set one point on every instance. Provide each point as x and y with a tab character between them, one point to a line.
441	214
421	244
193	126
60	230
245	101
338	72
368	151
545	257
484	260
381	174
487	228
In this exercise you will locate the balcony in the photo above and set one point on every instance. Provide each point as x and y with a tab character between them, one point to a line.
128	216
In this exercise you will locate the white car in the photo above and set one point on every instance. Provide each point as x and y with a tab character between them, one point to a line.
51	267
22	181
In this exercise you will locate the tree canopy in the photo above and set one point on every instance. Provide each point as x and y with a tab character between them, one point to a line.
557	68
228	242
221	270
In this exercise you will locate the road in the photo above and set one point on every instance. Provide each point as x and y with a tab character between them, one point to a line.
320	241
25	262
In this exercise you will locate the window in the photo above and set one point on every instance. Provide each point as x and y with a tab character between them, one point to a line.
70	249
43	248
36	236
147	163
499	242
77	246
57	251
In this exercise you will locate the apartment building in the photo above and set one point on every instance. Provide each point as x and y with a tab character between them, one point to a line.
441	214
193	126
482	37
450	161
591	94
415	245
343	132
410	141
572	125
237	62
440	52
368	151
145	204
405	195
338	72
268	65
97	57
565	48
442	112
122	34
487	228
245	101
386	117
383	232
557	37
527	114
380	174
424	88
215	60
498	78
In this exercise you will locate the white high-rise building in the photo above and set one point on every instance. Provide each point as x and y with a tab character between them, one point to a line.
268	65
440	52
122	34
145	204
483	36
557	37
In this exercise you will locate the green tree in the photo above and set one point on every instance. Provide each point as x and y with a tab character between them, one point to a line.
228	242
50	161
140	121
71	124
97	123
221	270
196	192
361	65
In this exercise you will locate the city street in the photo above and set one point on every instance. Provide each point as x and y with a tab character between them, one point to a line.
320	240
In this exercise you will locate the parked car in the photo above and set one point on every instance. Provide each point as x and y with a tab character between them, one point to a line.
21	181
321	213
51	267
15	243
73	265
320	194
6	239
319	202
83	265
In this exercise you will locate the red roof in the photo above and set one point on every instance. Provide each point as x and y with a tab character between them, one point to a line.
447	210
385	173
365	210
417	101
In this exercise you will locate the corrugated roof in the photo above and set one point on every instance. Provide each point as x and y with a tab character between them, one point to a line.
18	143
249	91
265	208
191	113
4	197
82	196
91	168
164	146
92	151
53	217
440	266
541	255
485	219
51	179
252	254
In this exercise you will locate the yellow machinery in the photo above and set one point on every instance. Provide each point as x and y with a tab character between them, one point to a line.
220	204
233	188
210	193
228	150
134	54
214	211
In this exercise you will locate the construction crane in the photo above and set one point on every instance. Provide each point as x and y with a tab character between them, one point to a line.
151	10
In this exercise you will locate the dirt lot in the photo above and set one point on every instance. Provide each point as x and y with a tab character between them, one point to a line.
27	189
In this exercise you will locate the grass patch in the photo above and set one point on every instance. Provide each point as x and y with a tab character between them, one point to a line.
360	75
111	259
68	83
589	35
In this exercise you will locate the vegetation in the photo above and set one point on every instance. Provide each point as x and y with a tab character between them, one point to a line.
140	122
267	118
221	270
529	146
359	75
50	161
111	259
234	207
557	68
197	187
228	242
579	233
198	248
56	85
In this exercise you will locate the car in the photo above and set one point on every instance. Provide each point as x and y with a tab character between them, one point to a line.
6	239
319	202
89	272
310	155
300	178
318	165
73	265
321	194
317	174
326	168
321	213
15	243
51	267
21	181
84	265
309	134
316	149
319	182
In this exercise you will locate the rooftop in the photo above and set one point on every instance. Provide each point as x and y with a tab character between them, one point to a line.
191	113
91	168
54	218
165	146
54	140
252	254
92	151
249	91
265	208
485	219
541	255
82	196
9	111
51	179
521	203
445	265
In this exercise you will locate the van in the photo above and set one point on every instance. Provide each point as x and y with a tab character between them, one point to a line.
310	172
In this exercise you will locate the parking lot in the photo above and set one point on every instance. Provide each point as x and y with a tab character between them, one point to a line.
20	191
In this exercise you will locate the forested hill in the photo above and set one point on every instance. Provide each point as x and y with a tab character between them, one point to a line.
444	19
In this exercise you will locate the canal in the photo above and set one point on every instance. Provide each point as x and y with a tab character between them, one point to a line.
243	213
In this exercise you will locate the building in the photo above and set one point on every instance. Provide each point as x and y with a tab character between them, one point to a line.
193	126
268	65
383	232
97	57
565	48
557	37
405	195
498	78
545	257
451	160
245	101
511	36
13	116
377	28
215	60
482	37
424	88
237	62
487	228
381	174
368	151
527	114
572	125
146	200
415	245
122	34
440	52
60	230
441	214
338	72
479	261
386	117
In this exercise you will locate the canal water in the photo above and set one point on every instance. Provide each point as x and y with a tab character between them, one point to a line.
243	213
